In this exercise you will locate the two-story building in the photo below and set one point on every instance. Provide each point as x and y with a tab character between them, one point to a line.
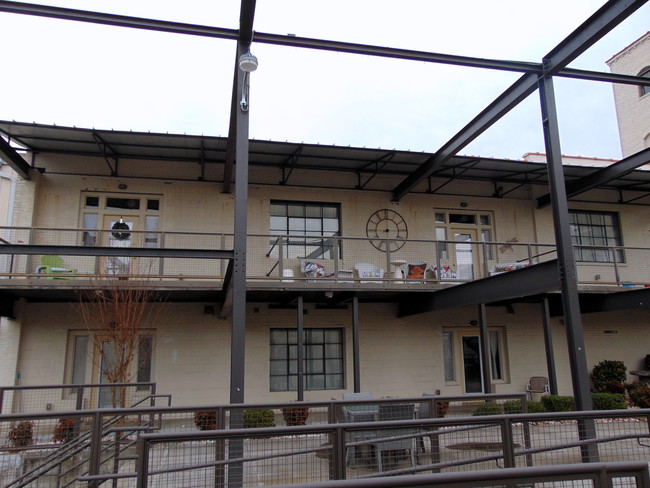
325	235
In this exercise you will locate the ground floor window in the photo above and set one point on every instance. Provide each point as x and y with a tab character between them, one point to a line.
323	359
84	359
462	357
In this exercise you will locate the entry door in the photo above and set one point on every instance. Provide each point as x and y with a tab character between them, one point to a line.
465	254
117	233
472	364
107	362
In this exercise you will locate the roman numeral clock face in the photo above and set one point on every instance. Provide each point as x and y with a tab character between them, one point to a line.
383	227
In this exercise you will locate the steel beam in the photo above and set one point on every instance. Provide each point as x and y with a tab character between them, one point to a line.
599	24
14	160
116	251
356	362
300	353
523	282
301	42
486	362
548	346
622	300
601	176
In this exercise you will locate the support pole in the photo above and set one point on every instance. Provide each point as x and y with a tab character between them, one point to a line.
548	344
355	345
485	349
300	354
567	266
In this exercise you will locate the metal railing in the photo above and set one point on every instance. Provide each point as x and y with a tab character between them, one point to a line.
297	455
596	475
40	398
173	449
273	258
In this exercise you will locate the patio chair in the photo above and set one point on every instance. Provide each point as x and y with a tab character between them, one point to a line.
386	438
416	271
537	384
368	270
55	267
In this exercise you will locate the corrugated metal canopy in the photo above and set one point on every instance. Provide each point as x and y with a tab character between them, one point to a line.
361	161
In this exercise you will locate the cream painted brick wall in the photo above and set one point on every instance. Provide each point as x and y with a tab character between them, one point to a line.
633	111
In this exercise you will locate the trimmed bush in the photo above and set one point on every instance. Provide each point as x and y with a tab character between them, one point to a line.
512	407
263	417
558	403
639	395
608	401
609	377
488	408
536	407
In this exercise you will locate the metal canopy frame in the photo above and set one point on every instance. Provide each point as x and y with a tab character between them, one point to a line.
535	77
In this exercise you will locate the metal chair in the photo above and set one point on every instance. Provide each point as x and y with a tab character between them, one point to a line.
395	439
537	384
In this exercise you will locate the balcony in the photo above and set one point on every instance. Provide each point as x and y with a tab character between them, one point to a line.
190	259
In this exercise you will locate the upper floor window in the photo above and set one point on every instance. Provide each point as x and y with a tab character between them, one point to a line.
645	89
101	211
596	231
310	222
323	359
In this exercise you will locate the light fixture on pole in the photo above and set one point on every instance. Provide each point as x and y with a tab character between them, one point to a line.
248	64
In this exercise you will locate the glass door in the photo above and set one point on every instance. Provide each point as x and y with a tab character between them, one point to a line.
465	254
118	234
472	372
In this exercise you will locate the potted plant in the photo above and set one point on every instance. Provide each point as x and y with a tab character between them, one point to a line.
64	430
295	415
21	435
205	419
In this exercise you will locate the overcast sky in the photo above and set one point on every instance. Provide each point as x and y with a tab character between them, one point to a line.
86	75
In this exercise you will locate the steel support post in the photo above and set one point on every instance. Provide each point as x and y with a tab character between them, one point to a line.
548	344
238	333
567	266
300	353
356	364
485	349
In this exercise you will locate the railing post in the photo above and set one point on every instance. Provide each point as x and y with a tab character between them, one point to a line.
484	247
161	261
616	271
142	463
281	256
2	398
338	456
335	250
506	439
94	460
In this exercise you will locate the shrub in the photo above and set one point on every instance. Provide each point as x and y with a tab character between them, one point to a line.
558	403
295	415
205	419
608	401
263	417
609	377
639	395
488	408
64	430
22	434
512	407
536	407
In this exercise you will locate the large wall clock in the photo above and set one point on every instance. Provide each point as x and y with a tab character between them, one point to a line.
385	225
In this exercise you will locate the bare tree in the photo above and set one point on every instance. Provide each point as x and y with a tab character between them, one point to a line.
116	314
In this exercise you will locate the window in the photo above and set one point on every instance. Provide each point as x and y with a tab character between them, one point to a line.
644	90
595	229
308	220
97	210
323	359
83	355
481	221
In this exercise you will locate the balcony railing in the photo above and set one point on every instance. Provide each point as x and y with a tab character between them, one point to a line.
302	261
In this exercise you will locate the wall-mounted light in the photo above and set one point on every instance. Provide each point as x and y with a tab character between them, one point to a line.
473	322
463	204
122	186
248	64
